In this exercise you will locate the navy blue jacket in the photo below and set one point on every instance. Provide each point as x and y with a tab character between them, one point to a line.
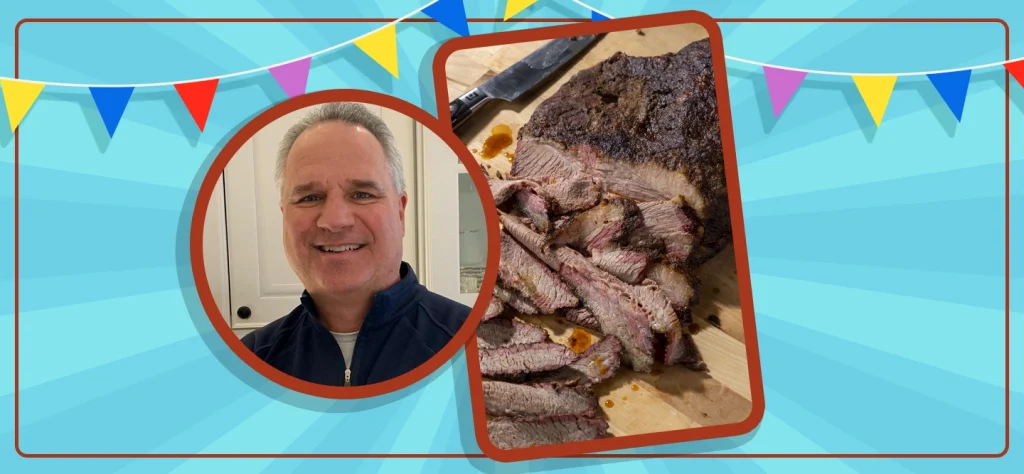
406	325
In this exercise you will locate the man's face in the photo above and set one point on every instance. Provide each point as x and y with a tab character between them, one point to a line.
344	220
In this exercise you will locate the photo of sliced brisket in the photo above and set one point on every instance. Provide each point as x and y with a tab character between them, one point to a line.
515	433
504	332
511	399
522	272
525	358
647	127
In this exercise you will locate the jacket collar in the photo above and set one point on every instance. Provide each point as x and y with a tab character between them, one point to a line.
385	303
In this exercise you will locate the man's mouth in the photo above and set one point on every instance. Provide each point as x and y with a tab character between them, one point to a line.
339	248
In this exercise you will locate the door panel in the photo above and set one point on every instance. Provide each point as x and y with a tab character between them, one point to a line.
456	235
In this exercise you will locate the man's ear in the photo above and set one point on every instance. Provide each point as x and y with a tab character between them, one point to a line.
402	202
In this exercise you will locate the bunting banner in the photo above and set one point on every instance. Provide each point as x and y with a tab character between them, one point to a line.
876	91
381	45
451	14
293	76
19	97
782	84
198	98
111	102
514	7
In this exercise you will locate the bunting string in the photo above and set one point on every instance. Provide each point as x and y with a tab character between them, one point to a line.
875	88
381	45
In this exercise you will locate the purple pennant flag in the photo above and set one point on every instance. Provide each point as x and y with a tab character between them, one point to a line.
782	84
292	76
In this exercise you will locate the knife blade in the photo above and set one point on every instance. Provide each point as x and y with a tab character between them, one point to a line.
521	77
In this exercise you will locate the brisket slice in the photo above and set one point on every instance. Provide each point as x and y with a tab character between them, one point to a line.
516	301
679	285
648	127
625	263
668	221
494	309
534	207
525	358
504	332
570	195
603	295
503	189
516	433
682	350
596	227
599	362
511	399
521	271
582	317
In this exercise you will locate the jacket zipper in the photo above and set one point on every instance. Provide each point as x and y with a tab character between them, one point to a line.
348	376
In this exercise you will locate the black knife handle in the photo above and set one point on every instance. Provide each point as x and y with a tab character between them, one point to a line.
460	109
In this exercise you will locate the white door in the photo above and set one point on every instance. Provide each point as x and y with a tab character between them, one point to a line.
455	232
258	275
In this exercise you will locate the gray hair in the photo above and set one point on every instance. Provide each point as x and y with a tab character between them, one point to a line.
351	113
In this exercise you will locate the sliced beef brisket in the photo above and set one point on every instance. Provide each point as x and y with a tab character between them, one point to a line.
521	271
525	358
517	433
646	126
504	332
511	399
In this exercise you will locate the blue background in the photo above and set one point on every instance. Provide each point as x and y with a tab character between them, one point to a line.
876	255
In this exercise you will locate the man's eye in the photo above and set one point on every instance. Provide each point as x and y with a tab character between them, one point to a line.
362	195
309	198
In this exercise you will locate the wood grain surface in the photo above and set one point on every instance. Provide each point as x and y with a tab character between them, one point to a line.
671	397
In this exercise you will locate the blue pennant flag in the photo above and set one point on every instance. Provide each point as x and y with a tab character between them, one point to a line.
595	16
450	13
111	102
952	86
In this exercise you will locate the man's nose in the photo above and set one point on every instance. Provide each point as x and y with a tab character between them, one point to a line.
336	214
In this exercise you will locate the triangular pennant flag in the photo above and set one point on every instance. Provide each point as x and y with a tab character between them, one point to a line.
450	13
875	90
382	46
595	16
513	7
19	97
952	86
111	102
782	84
1016	69
292	77
198	97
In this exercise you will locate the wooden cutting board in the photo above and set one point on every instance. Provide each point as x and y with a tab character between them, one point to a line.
671	397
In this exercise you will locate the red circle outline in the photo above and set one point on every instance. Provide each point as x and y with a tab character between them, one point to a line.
443	131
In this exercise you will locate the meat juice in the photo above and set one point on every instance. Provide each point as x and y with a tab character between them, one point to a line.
501	138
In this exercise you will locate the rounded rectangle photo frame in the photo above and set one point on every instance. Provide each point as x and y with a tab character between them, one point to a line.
460	73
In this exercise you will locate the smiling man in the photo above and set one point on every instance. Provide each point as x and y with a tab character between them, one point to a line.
363	317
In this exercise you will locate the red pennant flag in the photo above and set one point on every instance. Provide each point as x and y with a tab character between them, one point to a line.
1016	69
198	97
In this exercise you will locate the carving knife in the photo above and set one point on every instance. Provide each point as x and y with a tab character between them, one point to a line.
520	77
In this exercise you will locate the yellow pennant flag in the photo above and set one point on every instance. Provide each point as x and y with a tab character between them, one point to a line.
513	7
382	46
875	90
19	97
